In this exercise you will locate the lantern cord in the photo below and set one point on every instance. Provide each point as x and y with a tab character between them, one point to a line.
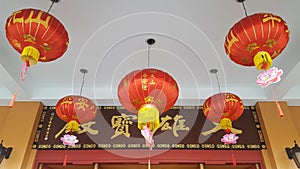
23	76
244	9
214	71
149	162
84	72
218	82
233	159
50	6
65	160
148	56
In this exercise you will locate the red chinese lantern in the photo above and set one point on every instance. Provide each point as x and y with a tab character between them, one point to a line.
256	40
75	110
223	108
148	93
36	35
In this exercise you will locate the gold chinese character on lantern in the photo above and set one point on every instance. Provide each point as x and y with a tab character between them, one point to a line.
82	103
270	17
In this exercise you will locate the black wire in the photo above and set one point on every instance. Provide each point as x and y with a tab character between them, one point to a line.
148	56
218	82
244	9
82	83
50	7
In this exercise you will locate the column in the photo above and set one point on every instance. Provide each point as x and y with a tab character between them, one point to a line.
279	132
18	131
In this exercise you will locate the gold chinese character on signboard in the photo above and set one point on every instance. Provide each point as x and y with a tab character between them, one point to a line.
86	127
83	128
178	124
121	124
165	125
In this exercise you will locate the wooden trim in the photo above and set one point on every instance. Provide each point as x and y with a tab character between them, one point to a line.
159	157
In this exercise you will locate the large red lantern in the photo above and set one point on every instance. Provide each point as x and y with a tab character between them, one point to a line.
148	93
223	108
256	40
36	35
75	110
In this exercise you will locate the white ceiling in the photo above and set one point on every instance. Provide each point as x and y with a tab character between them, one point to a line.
107	37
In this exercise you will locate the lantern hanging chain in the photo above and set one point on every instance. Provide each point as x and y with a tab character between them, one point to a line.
244	9
148	56
218	82
82	82
50	6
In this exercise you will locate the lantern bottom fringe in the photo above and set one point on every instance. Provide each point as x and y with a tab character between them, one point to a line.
280	112
11	104
279	109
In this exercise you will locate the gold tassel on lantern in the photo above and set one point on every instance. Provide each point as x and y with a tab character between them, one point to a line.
226	124
148	115
30	54
72	126
262	60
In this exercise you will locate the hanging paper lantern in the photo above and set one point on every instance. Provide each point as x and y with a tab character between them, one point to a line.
257	40
75	110
148	93
36	35
223	108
